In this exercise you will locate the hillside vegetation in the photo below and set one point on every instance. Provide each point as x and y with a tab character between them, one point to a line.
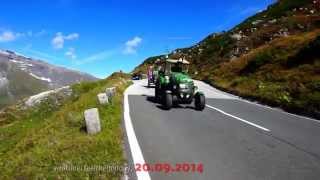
285	73
35	141
272	57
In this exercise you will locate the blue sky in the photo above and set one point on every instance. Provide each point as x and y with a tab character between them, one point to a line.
103	36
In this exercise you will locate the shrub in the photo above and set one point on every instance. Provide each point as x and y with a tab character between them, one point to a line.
218	46
238	81
283	6
313	101
306	55
260	60
284	97
314	85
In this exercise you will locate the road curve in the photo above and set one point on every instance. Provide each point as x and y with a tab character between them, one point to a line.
232	138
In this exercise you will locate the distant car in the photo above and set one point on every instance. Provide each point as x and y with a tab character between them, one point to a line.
136	76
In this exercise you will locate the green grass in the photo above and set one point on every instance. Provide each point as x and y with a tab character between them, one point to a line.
34	143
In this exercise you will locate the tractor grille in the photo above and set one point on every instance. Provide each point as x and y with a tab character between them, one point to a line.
186	91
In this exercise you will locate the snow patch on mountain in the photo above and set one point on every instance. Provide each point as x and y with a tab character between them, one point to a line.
40	78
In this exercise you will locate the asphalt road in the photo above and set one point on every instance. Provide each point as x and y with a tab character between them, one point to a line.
232	138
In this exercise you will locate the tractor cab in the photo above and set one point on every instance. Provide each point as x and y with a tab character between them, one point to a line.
176	66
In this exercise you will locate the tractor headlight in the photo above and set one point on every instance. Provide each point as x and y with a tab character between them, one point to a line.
166	78
183	86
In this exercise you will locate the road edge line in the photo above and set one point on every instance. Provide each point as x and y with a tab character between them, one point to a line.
135	149
259	104
240	119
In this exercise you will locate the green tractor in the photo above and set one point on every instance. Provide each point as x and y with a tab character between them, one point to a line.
174	86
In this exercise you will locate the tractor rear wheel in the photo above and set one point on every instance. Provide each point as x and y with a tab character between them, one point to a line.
200	102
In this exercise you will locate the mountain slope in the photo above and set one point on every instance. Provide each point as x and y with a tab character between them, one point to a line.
21	77
38	142
289	25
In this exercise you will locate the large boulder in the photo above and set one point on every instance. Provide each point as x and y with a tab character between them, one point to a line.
103	98
56	94
92	121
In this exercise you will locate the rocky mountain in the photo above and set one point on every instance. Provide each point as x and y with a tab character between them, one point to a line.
282	19
271	57
22	76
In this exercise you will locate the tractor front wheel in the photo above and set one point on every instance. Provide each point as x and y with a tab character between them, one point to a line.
200	102
168	101
157	93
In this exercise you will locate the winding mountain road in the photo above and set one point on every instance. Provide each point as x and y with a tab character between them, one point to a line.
232	138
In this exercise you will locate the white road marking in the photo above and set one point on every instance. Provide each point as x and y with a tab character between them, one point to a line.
133	142
212	92
280	110
218	94
235	117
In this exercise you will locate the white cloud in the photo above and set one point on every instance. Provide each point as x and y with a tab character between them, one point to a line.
38	54
71	54
58	41
72	36
103	55
132	45
8	36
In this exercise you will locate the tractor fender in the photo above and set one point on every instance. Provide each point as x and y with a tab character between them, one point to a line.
199	93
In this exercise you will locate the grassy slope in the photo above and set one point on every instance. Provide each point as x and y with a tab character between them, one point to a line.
284	73
267	78
34	142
